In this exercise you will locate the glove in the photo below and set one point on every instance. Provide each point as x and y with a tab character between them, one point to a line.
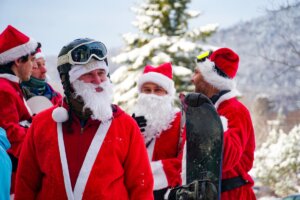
141	121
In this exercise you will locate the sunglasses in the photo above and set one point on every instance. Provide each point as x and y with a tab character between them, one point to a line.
202	57
83	53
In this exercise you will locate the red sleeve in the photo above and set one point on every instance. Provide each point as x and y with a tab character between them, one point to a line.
167	156
138	175
9	120
28	183
172	165
172	168
236	138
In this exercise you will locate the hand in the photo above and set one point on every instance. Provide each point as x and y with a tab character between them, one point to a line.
141	121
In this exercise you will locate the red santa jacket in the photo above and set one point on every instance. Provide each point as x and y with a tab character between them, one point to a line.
166	156
239	144
13	112
52	155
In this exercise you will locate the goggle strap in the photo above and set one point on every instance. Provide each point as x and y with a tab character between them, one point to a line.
203	56
63	59
96	57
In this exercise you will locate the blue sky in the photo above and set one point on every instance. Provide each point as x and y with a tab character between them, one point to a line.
57	22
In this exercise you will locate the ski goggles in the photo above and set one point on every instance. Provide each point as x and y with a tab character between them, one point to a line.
83	53
202	57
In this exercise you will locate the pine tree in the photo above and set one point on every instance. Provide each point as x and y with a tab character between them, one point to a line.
164	36
277	162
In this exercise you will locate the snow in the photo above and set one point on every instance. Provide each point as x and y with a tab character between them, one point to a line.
182	44
181	71
277	162
130	37
161	57
193	13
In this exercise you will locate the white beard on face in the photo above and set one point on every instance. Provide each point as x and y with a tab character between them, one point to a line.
158	111
98	102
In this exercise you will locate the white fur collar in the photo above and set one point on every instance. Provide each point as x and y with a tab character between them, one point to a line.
10	77
228	95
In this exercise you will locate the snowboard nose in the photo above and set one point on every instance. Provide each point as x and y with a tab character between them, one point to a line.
196	99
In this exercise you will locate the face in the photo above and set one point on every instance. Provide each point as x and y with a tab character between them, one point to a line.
200	84
24	69
39	69
96	76
153	88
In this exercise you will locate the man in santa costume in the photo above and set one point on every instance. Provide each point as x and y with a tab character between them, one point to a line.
213	77
87	148
160	125
16	61
37	85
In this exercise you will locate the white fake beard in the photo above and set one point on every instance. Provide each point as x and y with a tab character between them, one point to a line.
98	102
158	111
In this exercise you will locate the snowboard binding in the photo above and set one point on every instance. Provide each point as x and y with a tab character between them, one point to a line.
197	190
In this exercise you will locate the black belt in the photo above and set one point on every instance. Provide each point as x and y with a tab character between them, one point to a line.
232	183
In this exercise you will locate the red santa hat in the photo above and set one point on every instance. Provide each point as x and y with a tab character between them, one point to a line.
220	68
14	44
161	75
39	54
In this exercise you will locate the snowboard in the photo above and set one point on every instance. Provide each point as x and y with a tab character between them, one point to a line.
204	145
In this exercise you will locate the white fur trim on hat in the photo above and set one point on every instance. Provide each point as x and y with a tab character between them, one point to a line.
211	76
18	51
78	70
159	79
39	55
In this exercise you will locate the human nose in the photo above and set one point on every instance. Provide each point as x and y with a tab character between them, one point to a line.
97	79
44	69
193	78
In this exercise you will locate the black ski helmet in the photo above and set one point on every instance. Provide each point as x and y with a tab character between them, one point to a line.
63	69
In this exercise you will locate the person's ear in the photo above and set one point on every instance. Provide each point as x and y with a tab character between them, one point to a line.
18	62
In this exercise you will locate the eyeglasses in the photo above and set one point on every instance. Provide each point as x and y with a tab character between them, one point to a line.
83	53
202	57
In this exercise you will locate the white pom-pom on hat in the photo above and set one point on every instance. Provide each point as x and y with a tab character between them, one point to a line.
60	114
39	54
